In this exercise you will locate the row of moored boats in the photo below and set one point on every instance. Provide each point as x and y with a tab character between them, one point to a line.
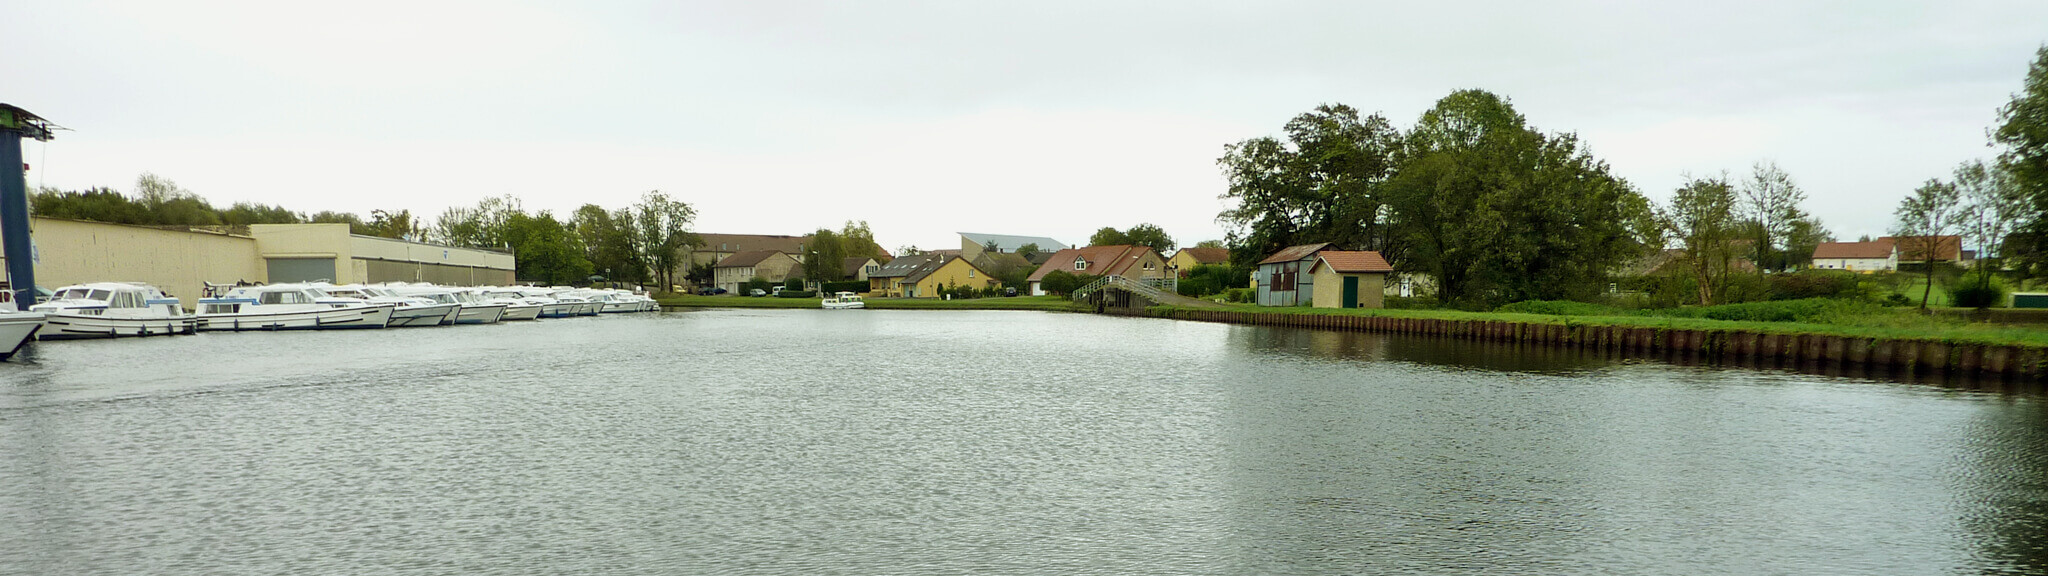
119	309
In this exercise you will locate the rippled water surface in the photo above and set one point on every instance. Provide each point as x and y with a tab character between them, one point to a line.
871	442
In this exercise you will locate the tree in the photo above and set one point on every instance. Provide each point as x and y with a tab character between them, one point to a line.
908	250
2023	131
662	231
246	213
400	225
607	238
1029	249
1702	218
1108	236
355	223
1323	184
546	251
1770	201
1209	244
1150	235
859	242
1497	212
1063	282
1993	208
482	226
824	255
1931	212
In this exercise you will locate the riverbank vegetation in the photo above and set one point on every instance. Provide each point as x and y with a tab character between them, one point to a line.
1040	303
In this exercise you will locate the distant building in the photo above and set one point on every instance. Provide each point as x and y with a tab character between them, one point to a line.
713	248
926	275
1283	279
1133	262
1913	248
859	267
972	244
735	270
1350	279
1187	259
1866	257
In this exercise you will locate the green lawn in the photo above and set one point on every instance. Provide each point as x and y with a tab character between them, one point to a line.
1045	303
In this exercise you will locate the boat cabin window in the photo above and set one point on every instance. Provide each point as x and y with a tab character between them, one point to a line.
283	298
127	300
100	295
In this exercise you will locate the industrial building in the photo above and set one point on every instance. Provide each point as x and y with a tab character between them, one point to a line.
182	262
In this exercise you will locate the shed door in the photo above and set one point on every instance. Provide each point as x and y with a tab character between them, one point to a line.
1350	292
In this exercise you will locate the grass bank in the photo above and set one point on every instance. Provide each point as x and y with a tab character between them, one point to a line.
1041	303
1889	324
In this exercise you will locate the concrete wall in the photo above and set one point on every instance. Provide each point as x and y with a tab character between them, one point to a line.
371	259
179	262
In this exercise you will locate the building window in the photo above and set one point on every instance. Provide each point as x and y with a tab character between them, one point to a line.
1148	265
1080	264
970	272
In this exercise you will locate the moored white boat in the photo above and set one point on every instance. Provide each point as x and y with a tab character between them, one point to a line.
16	328
411	311
472	310
517	306
287	307
843	301
112	310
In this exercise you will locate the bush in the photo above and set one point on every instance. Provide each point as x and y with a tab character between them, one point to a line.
793	284
1897	299
1560	308
1978	291
756	283
1806	310
1063	282
1817	284
788	293
1238	295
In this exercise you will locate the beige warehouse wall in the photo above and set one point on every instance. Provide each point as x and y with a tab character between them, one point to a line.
179	262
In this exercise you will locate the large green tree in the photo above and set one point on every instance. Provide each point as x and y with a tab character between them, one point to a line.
1775	225
1497	212
824	255
661	232
545	249
2023	131
1324	183
480	226
608	241
859	242
1702	219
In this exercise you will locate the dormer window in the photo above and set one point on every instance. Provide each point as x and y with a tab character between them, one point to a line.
1080	264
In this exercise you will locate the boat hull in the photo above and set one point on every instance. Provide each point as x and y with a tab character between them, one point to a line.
330	319
528	312
416	316
844	305
559	309
16	330
487	314
60	326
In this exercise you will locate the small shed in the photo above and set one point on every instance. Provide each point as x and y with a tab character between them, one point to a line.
1350	279
1283	279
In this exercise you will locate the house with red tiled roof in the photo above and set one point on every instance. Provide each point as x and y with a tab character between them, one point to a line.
1283	279
1133	262
1913	248
1865	257
1350	279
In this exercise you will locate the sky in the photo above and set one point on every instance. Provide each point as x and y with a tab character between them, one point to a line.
924	119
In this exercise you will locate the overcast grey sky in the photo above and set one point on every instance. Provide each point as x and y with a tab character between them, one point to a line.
929	118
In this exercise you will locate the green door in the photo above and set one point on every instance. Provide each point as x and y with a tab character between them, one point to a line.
1350	292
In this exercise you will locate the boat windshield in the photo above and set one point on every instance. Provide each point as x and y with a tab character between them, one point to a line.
82	294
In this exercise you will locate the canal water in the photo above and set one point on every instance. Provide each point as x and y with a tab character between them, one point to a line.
921	442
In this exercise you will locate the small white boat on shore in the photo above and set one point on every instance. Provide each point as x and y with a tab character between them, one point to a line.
843	301
16	328
287	307
112	310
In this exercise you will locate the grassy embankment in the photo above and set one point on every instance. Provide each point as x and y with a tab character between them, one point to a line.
1043	303
1815	316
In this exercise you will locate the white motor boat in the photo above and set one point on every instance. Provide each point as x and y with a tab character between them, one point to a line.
586	301
16	328
472	310
515	297
287	307
517	306
112	310
843	301
411	311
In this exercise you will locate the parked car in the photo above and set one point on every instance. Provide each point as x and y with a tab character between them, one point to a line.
710	291
757	292
1009	291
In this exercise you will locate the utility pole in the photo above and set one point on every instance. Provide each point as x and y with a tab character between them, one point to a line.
16	124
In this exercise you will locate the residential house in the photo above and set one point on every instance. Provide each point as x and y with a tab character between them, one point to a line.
972	244
926	275
1133	262
714	248
770	265
1283	279
1865	257
1187	259
1351	279
859	267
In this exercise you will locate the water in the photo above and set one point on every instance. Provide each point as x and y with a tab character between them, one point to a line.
917	442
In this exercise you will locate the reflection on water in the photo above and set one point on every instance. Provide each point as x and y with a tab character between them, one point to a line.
777	442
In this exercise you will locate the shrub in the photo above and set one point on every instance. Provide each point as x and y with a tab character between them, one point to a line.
1805	310
1239	295
793	284
756	283
1897	299
1978	291
1559	308
788	293
1817	284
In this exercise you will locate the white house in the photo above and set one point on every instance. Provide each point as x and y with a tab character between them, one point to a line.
1866	257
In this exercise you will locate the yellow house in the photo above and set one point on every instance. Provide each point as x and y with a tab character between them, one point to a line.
944	271
1187	259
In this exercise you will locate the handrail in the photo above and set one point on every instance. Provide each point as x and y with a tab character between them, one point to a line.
1143	289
